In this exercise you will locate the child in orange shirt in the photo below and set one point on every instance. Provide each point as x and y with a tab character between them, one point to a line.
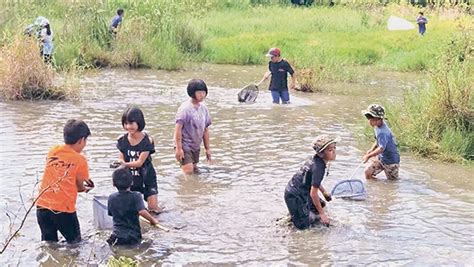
66	173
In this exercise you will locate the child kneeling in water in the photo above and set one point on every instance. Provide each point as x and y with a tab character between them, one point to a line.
301	193
125	207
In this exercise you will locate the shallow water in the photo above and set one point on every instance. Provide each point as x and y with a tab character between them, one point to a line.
230	213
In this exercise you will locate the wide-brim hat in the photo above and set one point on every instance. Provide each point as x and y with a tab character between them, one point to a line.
374	111
321	142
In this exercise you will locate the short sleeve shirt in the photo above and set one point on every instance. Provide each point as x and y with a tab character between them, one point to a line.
132	153
64	167
421	20
116	21
195	120
310	174
279	78
386	140
124	206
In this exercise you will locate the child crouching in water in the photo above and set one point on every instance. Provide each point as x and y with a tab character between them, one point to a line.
125	207
301	193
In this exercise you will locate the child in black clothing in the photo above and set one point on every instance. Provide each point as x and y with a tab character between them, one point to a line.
136	148
278	69
125	207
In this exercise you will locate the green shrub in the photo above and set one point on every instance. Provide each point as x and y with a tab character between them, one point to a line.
438	120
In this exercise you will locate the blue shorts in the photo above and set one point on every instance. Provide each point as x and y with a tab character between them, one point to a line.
284	95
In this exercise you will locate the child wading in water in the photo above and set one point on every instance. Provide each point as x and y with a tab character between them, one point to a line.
135	149
301	193
66	173
125	207
278	69
384	152
192	122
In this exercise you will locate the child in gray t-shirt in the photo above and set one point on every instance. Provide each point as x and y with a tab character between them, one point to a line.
192	122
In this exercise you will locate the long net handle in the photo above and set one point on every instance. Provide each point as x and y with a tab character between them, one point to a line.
353	173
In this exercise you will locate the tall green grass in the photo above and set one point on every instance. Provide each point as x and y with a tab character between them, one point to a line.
323	36
155	34
165	34
438	120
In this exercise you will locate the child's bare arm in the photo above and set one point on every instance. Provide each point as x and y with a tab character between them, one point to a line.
293	81
145	214
178	136
315	198
373	153
372	148
207	144
121	157
265	77
326	194
139	162
81	187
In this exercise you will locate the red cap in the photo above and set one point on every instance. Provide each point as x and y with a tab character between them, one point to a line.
274	52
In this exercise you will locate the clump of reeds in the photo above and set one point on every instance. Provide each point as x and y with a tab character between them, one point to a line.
25	76
308	80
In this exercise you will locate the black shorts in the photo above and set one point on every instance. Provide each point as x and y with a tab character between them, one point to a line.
298	208
146	182
50	222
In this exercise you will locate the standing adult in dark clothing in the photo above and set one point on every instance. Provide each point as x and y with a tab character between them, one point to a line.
278	69
301	193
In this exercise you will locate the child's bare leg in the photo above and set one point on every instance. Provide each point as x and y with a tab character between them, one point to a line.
188	168
196	169
374	168
369	173
153	203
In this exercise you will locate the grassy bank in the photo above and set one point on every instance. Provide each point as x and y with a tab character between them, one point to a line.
437	121
328	40
165	34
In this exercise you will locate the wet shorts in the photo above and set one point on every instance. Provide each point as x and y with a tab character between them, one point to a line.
391	170
50	222
190	157
301	210
145	183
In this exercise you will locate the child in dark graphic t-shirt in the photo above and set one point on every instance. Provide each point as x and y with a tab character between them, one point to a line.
125	207
278	69
301	192
135	149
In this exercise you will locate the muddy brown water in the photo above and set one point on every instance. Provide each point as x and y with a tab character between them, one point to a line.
230	213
